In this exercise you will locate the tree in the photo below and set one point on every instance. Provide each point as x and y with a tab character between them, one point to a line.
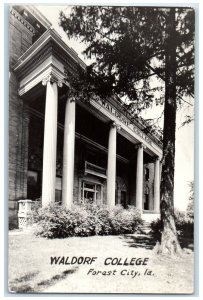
144	55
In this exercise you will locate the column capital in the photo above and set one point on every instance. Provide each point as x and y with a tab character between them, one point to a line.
156	158
115	125
52	78
71	99
140	145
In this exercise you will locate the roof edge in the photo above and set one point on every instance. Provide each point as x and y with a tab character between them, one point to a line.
38	15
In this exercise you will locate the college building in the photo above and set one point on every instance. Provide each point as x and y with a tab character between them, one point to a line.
68	150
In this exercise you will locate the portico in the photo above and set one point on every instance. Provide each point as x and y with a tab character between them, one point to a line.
105	159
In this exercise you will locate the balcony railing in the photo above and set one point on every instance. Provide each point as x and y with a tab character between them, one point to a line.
94	170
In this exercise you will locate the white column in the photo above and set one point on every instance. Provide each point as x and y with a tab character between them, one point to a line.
111	166
139	177
50	139
68	153
157	185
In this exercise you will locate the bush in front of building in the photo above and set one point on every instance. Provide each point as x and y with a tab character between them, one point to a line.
124	220
36	207
94	220
184	225
54	221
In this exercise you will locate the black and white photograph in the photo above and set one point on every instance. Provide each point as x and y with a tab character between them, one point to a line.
101	149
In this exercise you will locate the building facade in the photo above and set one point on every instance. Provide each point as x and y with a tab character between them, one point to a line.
68	150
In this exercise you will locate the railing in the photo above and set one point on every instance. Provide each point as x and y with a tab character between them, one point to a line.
94	169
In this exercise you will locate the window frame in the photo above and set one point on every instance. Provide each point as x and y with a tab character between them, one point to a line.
94	190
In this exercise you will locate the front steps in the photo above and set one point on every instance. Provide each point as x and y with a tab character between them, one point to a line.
145	227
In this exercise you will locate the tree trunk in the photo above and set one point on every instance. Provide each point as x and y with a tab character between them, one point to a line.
169	241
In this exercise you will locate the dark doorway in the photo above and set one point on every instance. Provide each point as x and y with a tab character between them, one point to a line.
33	184
123	199
146	202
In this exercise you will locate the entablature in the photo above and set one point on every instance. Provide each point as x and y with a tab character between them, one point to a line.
49	54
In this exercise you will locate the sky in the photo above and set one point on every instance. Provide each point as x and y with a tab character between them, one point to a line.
184	161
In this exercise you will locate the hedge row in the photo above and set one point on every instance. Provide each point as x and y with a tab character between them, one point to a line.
85	220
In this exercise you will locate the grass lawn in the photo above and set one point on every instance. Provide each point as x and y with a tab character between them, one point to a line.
30	269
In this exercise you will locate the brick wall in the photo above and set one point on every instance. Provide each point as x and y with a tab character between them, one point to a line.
20	36
18	149
20	39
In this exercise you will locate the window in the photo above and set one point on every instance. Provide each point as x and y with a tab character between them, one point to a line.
32	177
91	192
33	185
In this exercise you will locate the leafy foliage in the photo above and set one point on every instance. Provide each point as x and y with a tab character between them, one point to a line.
36	208
127	45
184	225
128	48
85	220
190	207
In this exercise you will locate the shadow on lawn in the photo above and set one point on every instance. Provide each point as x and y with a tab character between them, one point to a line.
187	243
29	288
147	241
139	241
27	277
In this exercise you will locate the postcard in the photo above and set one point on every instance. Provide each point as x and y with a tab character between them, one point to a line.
101	149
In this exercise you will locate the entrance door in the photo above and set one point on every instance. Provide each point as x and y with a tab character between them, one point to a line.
146	202
146	198
123	199
33	185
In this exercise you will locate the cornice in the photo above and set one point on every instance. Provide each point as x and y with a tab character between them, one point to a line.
139	123
129	129
49	50
22	20
49	35
38	16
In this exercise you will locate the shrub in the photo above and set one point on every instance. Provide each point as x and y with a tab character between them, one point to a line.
85	225
55	222
84	220
36	208
190	207
124	220
156	229
184	225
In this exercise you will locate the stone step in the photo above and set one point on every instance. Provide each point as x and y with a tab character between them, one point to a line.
145	227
